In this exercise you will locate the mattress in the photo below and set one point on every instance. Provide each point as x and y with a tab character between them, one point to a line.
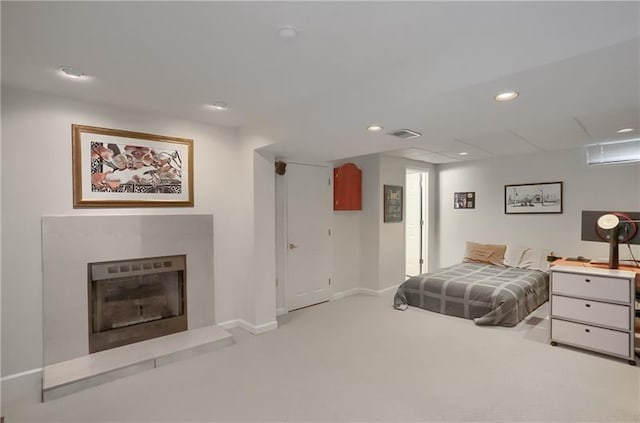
487	294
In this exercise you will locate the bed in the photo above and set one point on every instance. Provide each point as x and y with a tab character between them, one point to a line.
486	293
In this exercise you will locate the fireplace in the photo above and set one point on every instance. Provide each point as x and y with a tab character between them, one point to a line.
134	300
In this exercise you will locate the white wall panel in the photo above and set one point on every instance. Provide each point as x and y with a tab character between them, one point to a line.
611	187
36	181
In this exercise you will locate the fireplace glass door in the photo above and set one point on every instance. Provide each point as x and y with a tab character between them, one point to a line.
134	300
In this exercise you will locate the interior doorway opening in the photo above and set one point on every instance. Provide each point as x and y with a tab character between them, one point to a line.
416	227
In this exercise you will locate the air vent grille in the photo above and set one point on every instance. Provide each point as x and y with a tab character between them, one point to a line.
405	134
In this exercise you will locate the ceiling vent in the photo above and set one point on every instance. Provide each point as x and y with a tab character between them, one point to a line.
405	134
614	152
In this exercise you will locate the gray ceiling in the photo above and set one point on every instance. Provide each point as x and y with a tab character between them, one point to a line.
433	67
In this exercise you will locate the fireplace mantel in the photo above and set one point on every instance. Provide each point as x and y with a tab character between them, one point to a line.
69	243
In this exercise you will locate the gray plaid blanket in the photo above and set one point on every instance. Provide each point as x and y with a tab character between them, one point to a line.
490	295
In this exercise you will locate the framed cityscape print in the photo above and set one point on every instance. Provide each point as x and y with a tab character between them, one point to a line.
115	168
392	203
536	198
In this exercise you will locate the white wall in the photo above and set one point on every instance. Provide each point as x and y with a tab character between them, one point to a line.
369	242
611	187
281	240
264	257
36	181
345	232
369	253
346	236
393	171
638	171
1	248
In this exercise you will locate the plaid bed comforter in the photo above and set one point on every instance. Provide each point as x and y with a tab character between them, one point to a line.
490	295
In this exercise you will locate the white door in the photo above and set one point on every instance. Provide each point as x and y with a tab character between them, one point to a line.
308	267
415	227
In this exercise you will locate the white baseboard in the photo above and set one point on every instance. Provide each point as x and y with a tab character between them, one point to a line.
340	295
365	291
21	374
243	324
375	293
22	388
391	288
280	311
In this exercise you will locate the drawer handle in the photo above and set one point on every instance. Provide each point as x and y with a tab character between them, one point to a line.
587	280
587	305
587	330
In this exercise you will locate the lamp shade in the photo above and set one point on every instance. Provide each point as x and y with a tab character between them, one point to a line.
608	221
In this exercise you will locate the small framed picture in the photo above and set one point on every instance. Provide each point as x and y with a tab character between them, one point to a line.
392	203
464	200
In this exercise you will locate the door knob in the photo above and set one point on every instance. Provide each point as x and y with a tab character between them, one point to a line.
292	246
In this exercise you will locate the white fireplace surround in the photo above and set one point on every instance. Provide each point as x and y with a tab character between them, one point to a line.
69	243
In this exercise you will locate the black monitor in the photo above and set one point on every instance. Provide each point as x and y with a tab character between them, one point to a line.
626	232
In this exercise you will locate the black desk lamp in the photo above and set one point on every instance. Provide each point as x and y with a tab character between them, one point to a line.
611	223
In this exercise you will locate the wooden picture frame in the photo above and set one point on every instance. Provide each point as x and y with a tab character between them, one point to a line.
116	168
392	203
536	198
464	200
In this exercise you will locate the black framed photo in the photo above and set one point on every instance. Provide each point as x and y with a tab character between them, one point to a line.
464	200
392	203
536	198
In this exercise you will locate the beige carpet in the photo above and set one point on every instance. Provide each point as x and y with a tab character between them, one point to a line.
357	359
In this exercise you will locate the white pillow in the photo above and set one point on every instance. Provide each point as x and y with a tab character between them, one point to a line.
535	258
513	255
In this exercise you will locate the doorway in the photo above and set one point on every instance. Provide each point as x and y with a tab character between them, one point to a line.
416	227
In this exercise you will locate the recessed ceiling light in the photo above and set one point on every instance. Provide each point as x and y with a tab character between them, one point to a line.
72	73
464	153
374	128
287	33
506	96
624	130
219	105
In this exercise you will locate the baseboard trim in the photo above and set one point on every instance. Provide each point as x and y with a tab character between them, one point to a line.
375	293
281	311
367	291
243	324
391	288
347	293
21	374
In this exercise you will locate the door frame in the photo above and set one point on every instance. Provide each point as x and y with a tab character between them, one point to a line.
425	217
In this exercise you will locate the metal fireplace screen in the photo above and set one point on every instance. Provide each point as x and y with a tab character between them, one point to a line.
135	300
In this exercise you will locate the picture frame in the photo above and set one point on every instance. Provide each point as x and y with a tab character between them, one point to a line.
392	203
118	168
464	200
535	198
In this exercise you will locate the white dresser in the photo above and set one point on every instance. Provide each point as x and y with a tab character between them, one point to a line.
593	308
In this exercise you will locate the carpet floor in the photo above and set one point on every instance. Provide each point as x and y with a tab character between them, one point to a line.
358	359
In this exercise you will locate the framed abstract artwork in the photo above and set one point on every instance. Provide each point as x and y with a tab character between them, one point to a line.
115	168
392	203
536	198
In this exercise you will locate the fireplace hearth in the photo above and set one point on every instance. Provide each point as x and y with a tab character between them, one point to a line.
135	300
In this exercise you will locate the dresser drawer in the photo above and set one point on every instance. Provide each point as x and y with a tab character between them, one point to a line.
612	315
591	337
601	287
